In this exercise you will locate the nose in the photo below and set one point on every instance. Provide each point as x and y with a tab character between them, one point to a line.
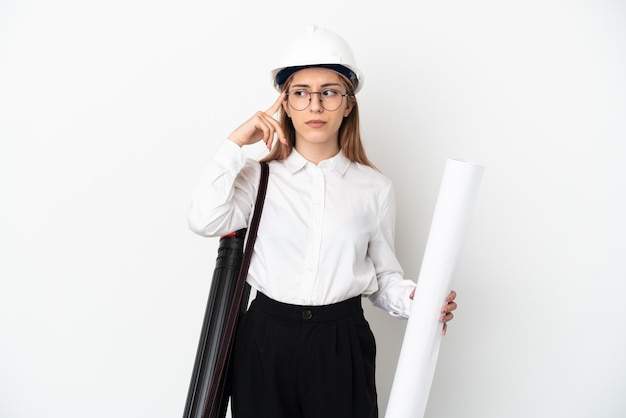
316	101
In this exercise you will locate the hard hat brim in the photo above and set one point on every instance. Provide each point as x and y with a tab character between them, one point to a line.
282	74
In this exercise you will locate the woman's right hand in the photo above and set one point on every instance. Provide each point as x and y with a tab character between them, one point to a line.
260	127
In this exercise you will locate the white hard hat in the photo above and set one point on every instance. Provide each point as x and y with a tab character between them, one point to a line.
317	47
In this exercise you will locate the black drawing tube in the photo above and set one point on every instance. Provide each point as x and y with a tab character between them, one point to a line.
209	388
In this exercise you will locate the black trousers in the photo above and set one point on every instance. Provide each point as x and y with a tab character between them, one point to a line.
295	361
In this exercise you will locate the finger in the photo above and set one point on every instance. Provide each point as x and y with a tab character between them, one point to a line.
451	296
269	119
268	133
277	104
444	329
270	138
449	307
446	317
263	129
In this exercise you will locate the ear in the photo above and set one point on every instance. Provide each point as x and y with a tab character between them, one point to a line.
286	108
348	108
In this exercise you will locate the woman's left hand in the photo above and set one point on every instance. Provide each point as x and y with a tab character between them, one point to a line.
446	310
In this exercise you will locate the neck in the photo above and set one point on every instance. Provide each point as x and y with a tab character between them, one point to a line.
316	153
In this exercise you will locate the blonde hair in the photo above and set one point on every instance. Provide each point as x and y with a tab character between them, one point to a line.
349	131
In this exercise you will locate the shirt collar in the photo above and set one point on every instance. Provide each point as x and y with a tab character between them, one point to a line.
338	163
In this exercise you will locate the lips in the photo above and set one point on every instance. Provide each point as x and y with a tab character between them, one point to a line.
315	123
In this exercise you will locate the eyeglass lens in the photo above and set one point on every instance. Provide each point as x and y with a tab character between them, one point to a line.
301	99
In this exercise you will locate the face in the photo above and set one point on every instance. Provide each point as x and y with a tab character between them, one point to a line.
315	125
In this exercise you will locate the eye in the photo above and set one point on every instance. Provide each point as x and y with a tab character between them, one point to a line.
331	93
299	93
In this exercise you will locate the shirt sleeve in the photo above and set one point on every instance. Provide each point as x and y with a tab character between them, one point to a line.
223	199
393	294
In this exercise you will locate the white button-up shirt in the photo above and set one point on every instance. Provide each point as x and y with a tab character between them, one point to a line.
326	233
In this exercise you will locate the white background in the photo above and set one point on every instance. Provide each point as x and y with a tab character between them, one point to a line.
109	109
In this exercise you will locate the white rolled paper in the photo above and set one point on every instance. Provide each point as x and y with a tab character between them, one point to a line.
422	338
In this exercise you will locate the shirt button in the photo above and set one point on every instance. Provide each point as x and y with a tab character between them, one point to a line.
307	314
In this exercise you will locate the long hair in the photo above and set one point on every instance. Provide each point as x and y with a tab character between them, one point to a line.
349	131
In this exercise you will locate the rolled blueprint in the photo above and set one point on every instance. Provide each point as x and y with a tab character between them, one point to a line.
420	346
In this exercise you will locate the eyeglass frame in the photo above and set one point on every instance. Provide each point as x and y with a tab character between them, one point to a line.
320	97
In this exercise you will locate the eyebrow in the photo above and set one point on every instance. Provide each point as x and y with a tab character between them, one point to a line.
323	85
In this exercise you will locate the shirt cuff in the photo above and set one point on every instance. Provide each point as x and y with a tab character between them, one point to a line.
402	307
230	154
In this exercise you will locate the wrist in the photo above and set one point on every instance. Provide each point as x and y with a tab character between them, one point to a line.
236	141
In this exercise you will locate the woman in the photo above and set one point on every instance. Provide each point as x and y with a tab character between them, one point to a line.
326	239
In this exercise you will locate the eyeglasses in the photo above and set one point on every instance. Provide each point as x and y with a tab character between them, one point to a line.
330	99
